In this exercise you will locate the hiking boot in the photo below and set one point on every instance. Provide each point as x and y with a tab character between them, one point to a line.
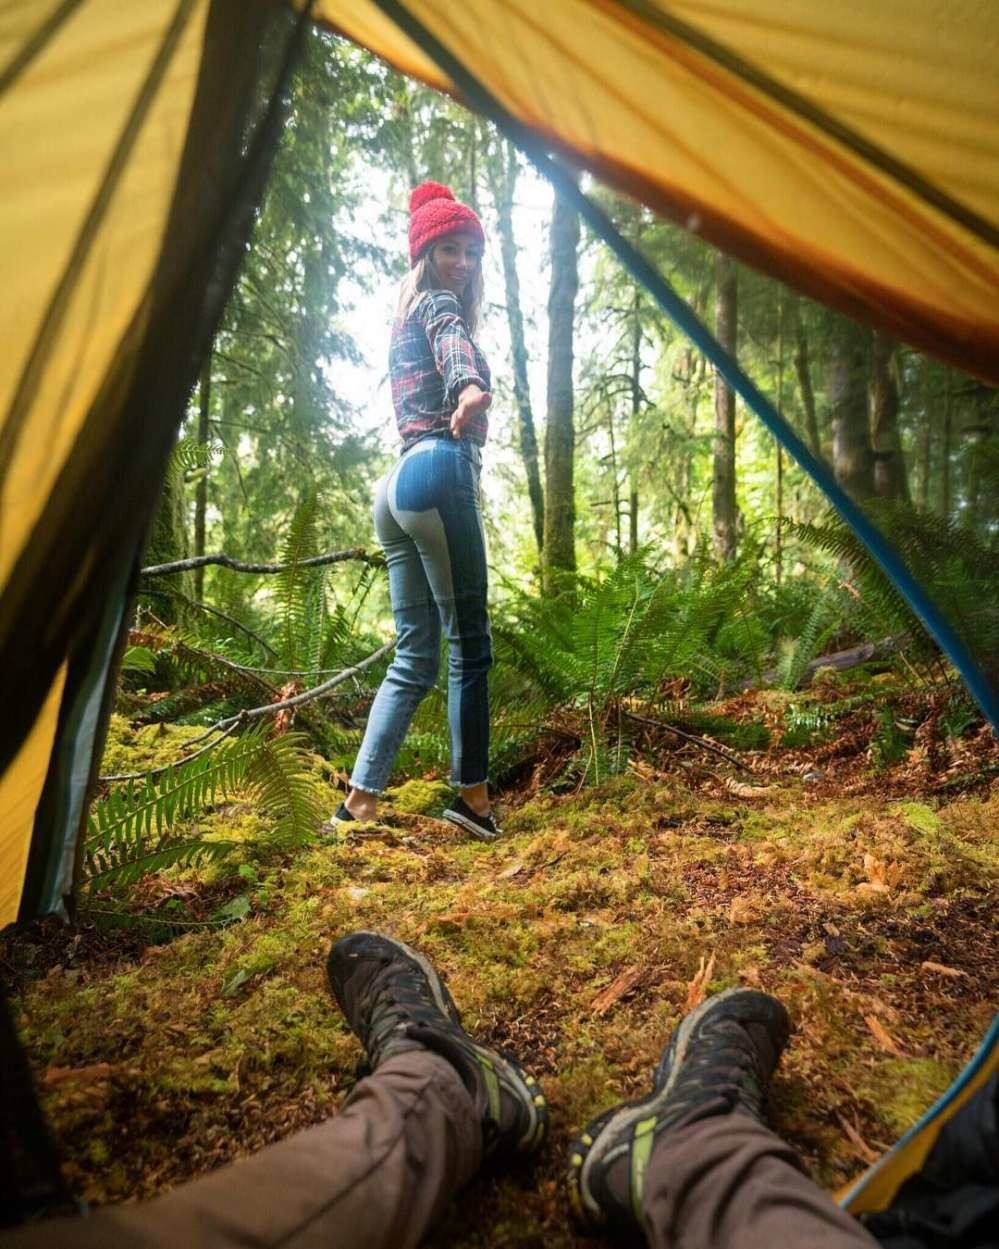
395	1001
483	827
719	1059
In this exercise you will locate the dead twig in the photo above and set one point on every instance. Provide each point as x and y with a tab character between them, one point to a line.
238	565
693	739
230	724
306	696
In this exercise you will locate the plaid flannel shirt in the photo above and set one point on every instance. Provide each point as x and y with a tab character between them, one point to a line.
431	359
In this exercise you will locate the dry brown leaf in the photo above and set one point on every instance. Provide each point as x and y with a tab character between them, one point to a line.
883	876
866	1153
55	1076
942	969
625	982
511	871
742	790
742	910
697	987
885	1040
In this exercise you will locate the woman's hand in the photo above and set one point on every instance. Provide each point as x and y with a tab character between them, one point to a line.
472	400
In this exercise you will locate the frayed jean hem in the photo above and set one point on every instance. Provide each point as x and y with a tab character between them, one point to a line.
366	789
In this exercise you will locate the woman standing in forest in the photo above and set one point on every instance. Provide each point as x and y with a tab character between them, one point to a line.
427	513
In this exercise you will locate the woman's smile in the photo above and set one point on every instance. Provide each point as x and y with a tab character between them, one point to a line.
456	257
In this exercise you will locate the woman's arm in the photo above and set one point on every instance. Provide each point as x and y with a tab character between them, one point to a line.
466	391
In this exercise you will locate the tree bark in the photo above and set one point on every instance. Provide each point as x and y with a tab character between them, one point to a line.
803	370
891	480
560	512
201	492
779	481
853	462
504	181
636	404
723	484
945	454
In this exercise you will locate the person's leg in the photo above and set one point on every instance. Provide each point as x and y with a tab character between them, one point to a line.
435	499
375	1176
728	1182
414	665
693	1165
379	1173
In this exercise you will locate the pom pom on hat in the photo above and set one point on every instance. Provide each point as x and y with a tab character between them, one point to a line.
434	212
427	191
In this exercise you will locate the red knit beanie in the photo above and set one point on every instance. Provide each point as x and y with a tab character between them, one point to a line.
433	211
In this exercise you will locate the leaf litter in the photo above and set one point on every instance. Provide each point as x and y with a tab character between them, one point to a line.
864	898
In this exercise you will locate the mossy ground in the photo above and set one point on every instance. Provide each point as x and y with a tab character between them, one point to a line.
868	907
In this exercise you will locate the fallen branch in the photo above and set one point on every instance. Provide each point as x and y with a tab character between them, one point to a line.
231	723
306	696
693	739
238	565
142	776
214	611
839	661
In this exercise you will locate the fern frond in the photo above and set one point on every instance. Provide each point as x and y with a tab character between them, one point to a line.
296	585
131	830
285	791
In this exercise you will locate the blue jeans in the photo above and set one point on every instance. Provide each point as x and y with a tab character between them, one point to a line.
429	524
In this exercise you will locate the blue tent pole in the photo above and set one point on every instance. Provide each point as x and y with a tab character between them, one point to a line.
679	311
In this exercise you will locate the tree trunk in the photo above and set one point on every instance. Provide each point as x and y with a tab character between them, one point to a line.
945	454
636	404
201	492
779	482
925	460
168	542
979	432
803	369
560	512
723	485
853	462
503	183
890	477
615	483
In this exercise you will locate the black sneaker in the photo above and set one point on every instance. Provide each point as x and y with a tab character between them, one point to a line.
342	821
720	1058
484	827
395	1001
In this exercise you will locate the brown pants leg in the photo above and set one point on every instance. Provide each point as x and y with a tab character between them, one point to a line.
375	1176
727	1182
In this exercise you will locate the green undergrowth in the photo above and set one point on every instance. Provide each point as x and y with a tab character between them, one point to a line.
160	1061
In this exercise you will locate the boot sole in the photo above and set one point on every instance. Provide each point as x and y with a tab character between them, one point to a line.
533	1099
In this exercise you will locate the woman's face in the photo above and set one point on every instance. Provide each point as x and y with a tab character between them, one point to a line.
456	258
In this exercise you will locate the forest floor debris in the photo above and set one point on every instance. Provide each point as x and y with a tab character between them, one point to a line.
864	897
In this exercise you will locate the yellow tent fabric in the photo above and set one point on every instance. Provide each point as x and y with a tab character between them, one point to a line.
850	148
129	135
92	128
63	132
20	787
877	1187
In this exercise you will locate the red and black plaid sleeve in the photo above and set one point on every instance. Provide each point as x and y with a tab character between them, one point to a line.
431	360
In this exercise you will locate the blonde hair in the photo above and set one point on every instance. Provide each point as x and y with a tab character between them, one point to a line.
424	277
